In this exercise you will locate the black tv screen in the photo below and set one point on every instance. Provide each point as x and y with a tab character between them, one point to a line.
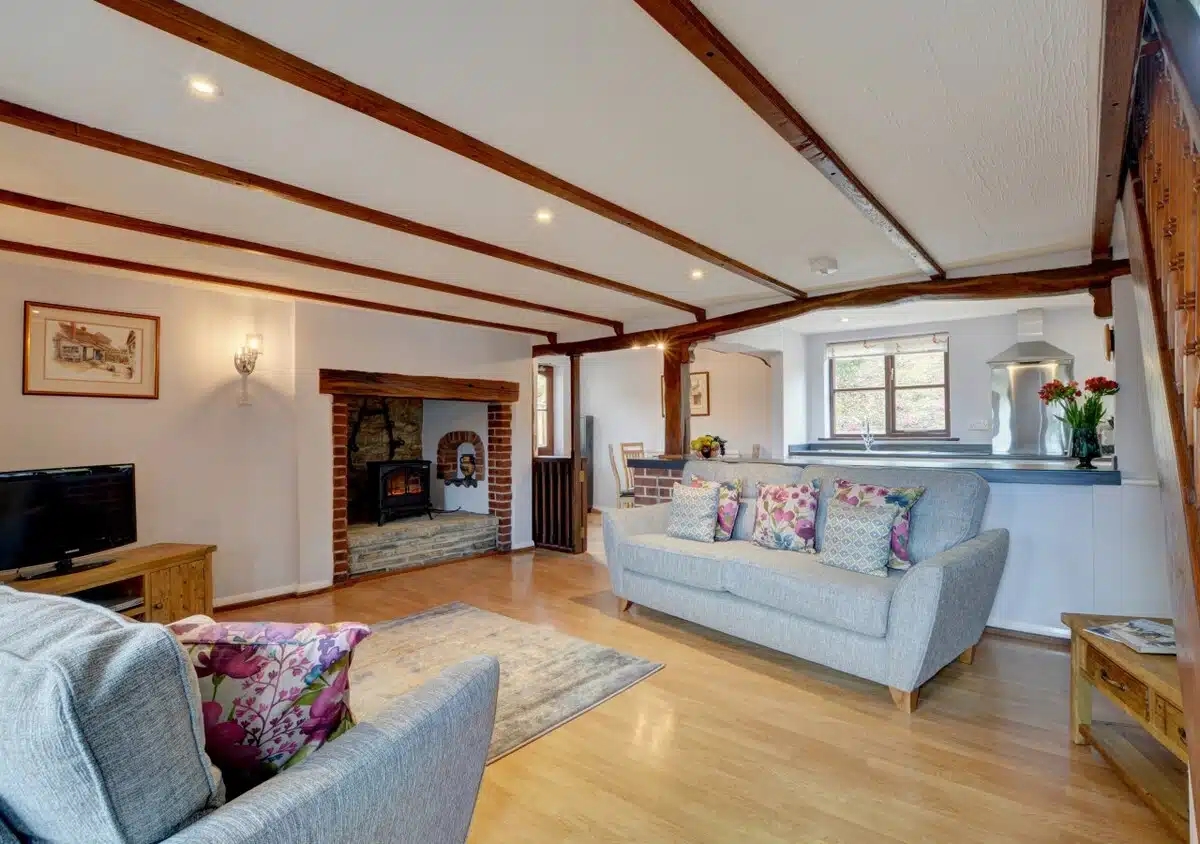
52	515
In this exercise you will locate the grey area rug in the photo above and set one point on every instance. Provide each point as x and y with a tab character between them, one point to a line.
546	678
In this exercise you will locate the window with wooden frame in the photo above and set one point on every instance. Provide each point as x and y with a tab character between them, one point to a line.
543	411
894	387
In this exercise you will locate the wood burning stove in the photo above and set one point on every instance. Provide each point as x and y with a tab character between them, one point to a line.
398	488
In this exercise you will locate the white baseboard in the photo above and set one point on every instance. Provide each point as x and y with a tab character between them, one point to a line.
1036	629
522	546
275	592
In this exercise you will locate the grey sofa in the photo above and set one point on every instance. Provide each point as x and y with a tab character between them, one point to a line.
897	630
102	742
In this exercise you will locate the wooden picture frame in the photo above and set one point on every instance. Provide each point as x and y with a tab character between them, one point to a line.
698	393
72	351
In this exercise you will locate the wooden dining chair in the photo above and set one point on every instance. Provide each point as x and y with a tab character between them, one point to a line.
625	492
630	451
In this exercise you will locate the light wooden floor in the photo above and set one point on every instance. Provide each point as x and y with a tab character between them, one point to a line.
736	743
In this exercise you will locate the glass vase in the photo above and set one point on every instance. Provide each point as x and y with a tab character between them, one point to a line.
1085	446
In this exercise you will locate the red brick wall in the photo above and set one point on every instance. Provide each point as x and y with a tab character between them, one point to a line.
653	486
341	545
499	468
447	454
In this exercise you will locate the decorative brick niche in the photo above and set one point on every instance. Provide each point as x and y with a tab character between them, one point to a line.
349	388
653	486
447	454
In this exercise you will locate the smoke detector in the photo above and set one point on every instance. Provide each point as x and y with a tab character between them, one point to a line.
824	266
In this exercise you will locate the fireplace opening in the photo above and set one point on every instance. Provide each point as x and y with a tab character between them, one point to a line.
398	488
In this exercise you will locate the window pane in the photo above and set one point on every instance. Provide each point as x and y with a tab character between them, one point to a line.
857	372
851	412
921	409
543	433
918	369
541	392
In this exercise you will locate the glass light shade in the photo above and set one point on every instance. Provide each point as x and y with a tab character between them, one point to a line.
254	343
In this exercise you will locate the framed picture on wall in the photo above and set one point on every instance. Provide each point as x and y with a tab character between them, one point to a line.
86	352
697	394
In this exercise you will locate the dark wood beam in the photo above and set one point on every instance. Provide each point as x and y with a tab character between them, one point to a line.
221	38
258	286
1122	41
674	359
68	130
1000	286
353	382
137	224
688	25
578	484
1102	303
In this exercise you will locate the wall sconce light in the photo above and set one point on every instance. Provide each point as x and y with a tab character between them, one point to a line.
244	360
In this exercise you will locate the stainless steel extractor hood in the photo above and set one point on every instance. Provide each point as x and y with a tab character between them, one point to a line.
1021	423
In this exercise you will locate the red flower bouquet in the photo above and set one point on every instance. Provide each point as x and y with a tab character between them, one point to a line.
1086	414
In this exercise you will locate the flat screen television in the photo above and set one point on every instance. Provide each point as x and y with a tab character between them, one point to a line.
54	515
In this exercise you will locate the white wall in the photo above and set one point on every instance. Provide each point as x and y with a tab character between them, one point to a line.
255	481
972	343
623	391
208	471
442	417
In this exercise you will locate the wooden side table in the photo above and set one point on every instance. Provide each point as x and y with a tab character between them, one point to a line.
1146	687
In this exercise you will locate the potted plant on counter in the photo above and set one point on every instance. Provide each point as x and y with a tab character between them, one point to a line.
707	444
1083	417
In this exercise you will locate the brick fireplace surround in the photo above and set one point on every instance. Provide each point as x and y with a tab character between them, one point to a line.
346	386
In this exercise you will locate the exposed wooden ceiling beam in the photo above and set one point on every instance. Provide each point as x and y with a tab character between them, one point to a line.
1122	41
1003	286
137	224
688	25
258	286
47	124
208	32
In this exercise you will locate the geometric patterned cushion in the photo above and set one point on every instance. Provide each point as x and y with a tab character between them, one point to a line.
868	495
727	505
858	538
694	512
785	517
272	693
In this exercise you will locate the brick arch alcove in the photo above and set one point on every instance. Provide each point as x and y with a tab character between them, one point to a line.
345	386
447	454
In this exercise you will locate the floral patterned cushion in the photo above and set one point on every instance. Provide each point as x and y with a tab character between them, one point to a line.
728	501
270	693
785	517
867	495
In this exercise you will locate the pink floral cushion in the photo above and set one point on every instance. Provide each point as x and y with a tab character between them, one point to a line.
728	501
270	693
785	517
867	495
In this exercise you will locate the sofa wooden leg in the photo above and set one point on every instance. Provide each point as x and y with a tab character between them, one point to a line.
623	604
905	701
967	657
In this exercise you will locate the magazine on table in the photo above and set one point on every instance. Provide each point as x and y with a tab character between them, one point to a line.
1141	634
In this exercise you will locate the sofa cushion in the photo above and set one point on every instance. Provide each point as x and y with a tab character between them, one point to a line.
728	505
694	512
858	538
870	495
103	739
785	517
679	560
799	584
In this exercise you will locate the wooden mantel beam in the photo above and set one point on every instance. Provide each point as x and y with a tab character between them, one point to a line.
1122	40
198	28
697	34
24	117
1002	286
136	224
89	259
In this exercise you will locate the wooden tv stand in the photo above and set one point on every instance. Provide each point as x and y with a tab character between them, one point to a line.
172	580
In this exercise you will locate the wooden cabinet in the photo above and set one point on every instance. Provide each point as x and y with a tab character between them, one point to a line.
172	581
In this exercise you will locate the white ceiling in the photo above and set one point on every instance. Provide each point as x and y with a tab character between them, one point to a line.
974	123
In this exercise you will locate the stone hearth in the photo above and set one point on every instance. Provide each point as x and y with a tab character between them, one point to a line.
416	542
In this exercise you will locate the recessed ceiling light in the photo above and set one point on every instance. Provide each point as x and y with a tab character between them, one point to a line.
697	274
203	87
845	319
544	215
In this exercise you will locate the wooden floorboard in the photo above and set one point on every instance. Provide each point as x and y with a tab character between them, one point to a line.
736	743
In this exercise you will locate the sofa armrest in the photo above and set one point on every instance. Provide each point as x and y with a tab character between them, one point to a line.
619	525
409	777
941	607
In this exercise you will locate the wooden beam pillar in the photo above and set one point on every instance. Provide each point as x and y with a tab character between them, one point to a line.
675	399
578	478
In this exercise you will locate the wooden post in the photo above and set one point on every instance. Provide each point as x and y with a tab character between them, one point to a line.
674	369
578	516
